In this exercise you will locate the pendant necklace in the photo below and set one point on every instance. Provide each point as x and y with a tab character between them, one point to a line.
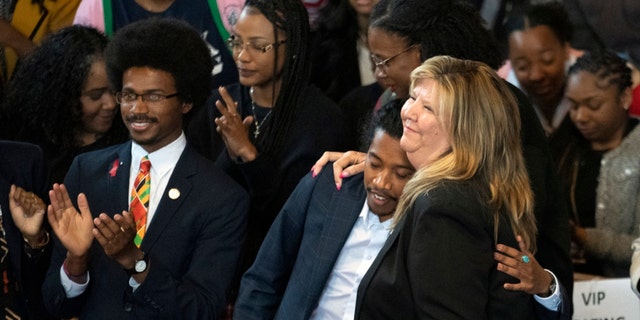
257	123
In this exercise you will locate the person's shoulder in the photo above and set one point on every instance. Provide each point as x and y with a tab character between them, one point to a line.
208	176
325	180
630	146
319	111
453	196
94	161
10	148
15	157
321	189
634	134
314	97
370	92
103	152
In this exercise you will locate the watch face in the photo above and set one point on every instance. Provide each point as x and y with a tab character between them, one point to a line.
141	265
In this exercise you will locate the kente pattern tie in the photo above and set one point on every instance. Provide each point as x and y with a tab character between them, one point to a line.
140	199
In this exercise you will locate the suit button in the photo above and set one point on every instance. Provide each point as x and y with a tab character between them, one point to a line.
128	306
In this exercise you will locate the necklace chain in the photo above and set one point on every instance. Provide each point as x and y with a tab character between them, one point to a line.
256	132
257	123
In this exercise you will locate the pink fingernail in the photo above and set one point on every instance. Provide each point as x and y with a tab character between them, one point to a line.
338	186
344	174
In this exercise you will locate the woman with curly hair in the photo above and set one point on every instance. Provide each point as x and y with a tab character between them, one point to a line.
60	99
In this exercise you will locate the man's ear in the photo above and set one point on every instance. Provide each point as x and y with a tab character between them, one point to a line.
186	107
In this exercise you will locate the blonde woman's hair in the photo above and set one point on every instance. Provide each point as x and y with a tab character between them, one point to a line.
483	121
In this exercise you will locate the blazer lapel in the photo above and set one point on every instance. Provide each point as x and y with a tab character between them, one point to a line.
344	210
338	217
393	236
118	176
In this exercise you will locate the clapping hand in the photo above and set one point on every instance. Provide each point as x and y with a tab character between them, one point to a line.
27	211
73	228
116	237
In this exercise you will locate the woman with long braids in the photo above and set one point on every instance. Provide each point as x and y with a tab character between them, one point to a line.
268	130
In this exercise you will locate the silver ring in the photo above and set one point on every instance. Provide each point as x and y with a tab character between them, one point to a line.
525	259
121	228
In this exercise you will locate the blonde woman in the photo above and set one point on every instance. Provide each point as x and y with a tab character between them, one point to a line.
471	191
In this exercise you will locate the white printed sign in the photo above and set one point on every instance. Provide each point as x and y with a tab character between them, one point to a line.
605	299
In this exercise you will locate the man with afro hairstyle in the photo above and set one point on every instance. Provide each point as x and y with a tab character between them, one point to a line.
168	248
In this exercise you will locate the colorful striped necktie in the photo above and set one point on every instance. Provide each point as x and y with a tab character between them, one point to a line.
140	199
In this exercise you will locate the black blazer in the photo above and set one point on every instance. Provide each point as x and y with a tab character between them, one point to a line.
438	263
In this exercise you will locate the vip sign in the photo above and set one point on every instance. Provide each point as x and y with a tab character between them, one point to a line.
610	299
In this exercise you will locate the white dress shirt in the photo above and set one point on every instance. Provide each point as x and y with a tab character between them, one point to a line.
338	299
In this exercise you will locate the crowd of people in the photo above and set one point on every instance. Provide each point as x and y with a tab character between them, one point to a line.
155	156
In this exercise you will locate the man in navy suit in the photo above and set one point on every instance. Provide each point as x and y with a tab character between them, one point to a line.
196	216
324	240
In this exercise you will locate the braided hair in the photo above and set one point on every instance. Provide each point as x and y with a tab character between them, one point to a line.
569	145
440	27
607	66
291	17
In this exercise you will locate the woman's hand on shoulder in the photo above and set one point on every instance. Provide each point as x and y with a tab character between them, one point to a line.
345	164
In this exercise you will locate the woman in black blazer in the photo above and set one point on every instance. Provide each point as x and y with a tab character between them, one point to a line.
471	191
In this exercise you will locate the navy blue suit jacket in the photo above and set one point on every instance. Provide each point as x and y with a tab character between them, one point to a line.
22	164
193	242
298	254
